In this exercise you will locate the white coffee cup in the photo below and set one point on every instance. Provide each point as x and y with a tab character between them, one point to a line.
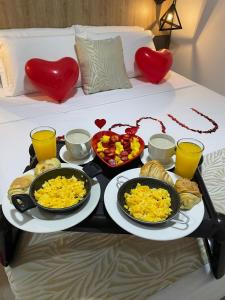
78	143
162	147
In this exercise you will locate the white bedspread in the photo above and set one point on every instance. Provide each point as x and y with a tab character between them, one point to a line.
30	106
175	96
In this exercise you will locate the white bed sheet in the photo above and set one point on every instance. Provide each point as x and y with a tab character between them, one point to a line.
19	115
33	105
156	103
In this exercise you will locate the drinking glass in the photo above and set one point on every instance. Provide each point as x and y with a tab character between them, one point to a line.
44	142
188	154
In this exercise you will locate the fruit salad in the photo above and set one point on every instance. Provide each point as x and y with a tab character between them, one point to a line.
117	149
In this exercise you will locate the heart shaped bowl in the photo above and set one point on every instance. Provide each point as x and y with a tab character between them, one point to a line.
117	150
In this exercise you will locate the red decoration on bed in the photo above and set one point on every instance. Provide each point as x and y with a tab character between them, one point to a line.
163	127
133	129
154	65
61	138
55	78
100	123
215	125
120	125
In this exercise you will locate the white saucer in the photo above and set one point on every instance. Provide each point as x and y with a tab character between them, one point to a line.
145	157
65	156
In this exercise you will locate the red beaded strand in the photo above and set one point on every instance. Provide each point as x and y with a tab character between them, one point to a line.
163	127
215	125
119	125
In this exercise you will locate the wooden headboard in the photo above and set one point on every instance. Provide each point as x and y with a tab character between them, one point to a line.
63	13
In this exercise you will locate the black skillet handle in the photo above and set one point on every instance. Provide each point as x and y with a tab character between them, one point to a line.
92	169
22	202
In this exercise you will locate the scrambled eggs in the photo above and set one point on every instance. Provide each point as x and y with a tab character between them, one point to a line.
60	192
148	204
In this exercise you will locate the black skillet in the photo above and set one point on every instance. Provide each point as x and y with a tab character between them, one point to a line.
125	187
23	202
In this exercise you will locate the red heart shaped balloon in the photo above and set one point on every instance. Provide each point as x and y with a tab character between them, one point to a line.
154	65
54	78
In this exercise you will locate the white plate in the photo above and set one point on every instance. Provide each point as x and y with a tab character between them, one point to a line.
145	157
40	221
170	231
65	156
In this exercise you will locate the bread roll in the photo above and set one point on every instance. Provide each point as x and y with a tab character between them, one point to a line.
189	192
184	185
188	200
46	165
20	185
154	169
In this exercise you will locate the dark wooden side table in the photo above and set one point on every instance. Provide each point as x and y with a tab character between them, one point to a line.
162	41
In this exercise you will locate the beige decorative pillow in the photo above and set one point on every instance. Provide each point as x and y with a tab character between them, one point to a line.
102	65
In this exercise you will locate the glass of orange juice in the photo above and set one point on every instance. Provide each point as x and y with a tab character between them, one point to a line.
188	154
44	142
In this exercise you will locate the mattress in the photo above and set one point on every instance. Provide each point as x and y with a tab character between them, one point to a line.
101	266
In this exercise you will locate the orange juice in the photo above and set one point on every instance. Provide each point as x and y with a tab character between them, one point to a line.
44	142
188	154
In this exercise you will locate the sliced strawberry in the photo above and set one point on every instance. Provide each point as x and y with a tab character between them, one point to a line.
111	154
112	162
128	149
126	145
112	149
124	158
126	137
105	145
114	138
124	153
107	151
107	158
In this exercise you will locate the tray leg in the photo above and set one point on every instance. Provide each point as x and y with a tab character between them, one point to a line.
8	240
216	254
216	249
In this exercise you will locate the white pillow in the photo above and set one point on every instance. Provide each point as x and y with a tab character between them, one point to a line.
81	29
16	51
131	41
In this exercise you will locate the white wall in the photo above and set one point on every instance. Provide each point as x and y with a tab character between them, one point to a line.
199	48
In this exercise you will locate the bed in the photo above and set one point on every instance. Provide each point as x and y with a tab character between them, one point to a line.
62	249
85	265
